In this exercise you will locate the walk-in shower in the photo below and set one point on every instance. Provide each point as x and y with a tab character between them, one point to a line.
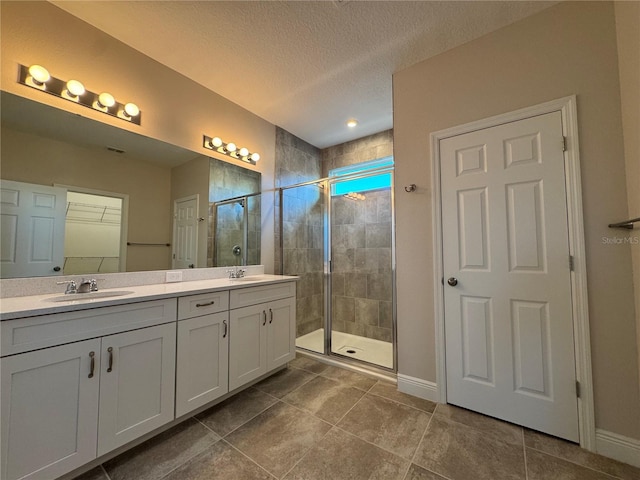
336	234
236	235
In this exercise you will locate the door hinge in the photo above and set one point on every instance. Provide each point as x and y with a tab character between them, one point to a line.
564	143
577	389
571	265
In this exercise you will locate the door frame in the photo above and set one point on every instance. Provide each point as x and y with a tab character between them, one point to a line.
568	109
176	201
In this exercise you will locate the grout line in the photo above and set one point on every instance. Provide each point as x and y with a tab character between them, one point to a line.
524	451
250	459
307	452
247	421
401	403
575	463
104	470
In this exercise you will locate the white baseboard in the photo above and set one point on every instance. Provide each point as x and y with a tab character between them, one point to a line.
418	387
618	447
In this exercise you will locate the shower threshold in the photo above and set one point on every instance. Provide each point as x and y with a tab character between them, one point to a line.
352	346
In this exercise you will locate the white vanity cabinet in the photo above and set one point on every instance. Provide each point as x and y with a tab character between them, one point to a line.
262	331
62	406
202	362
49	410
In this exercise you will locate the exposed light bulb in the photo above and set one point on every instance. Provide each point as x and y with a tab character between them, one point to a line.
255	157
106	100
352	123
231	147
131	109
243	152
216	142
39	74
75	88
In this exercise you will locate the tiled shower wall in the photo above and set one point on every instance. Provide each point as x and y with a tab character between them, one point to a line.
362	286
298	162
227	181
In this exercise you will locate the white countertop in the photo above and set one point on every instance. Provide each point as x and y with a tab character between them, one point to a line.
18	307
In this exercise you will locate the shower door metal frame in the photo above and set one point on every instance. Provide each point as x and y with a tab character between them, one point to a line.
325	184
244	199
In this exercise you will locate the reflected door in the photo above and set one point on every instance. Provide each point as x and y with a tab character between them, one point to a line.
185	232
508	317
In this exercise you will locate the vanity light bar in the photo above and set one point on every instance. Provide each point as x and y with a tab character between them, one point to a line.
230	149
39	78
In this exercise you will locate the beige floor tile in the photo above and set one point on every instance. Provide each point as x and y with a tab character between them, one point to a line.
541	466
460	452
160	455
220	462
327	399
308	364
278	437
233	412
573	453
284	381
96	473
353	379
491	427
418	473
340	456
390	391
388	424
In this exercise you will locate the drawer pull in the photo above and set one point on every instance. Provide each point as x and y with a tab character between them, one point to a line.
205	304
226	328
92	356
264	318
270	316
110	350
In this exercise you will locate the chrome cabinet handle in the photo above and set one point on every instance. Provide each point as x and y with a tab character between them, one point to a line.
264	318
92	356
270	316
226	329
205	304
110	350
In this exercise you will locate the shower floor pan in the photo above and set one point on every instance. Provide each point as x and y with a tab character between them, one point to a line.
354	346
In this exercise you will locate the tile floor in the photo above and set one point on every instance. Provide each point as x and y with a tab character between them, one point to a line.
314	421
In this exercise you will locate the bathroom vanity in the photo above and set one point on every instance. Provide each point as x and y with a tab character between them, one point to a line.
84	377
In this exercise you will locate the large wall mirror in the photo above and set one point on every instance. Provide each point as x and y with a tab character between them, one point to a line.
82	197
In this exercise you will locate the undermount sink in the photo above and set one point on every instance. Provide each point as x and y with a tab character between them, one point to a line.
251	278
74	297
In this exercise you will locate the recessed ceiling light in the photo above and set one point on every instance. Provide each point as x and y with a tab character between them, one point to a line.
352	123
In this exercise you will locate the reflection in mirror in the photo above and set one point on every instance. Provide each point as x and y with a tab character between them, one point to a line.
47	147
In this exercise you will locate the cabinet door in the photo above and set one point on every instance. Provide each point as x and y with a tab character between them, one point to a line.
281	341
137	384
49	410
202	361
247	345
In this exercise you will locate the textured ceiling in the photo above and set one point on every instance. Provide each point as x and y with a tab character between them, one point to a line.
306	66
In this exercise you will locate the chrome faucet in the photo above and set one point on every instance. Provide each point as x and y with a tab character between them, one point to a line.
71	286
236	272
85	286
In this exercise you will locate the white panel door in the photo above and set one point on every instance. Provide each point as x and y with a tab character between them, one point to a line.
49	410
508	319
202	362
281	341
137	384
32	219
185	232
247	344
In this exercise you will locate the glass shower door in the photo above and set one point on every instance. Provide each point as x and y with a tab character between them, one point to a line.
230	233
361	224
303	245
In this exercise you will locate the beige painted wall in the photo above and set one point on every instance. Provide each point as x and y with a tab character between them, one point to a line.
189	179
628	31
174	109
567	49
148	185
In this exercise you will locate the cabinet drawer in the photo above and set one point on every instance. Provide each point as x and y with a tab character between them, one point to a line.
25	334
243	297
203	304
